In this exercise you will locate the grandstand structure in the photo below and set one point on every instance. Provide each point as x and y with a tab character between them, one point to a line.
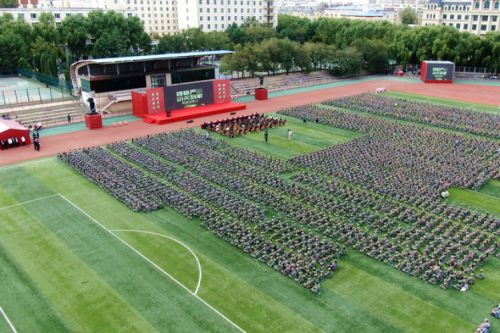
49	113
247	85
111	81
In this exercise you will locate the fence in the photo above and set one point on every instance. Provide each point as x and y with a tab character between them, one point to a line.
22	95
47	80
479	70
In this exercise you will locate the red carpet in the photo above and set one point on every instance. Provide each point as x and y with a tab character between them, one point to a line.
193	113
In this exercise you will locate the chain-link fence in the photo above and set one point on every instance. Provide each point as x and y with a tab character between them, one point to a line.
24	86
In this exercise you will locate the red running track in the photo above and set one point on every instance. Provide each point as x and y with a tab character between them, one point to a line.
69	141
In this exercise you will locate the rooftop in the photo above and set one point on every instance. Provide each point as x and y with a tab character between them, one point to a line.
153	57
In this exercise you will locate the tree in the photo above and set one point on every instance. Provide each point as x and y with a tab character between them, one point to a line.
23	63
75	32
110	45
408	16
12	48
8	4
375	54
46	55
250	21
46	28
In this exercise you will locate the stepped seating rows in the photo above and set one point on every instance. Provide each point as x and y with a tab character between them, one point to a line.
48	113
243	86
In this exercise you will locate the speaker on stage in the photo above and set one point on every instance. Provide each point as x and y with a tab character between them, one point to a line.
91	102
261	79
169	114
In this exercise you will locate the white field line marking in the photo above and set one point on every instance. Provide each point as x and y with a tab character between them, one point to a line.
21	165
175	240
8	321
22	203
300	142
152	263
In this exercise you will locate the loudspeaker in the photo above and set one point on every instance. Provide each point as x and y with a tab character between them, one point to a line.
91	104
261	79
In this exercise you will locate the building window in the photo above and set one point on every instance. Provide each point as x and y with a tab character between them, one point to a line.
493	28
208	26
201	10
33	16
57	15
208	19
201	18
483	27
215	10
484	18
452	17
459	17
215	18
223	26
474	17
497	5
494	18
451	24
486	5
208	10
222	18
20	15
466	17
222	10
474	27
458	25
215	26
129	15
208	2
466	26
444	16
229	18
201	26
477	5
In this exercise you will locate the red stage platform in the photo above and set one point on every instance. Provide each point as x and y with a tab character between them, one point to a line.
192	113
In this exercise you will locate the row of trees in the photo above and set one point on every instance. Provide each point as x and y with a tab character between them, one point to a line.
275	54
41	46
296	41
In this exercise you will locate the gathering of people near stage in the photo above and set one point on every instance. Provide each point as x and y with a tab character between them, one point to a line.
243	124
460	119
13	142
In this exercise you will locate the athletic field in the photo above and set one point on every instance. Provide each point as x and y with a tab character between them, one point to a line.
74	259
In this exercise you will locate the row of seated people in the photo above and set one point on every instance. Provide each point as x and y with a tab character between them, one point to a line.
244	124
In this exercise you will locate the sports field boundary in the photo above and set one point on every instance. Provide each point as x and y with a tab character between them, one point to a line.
7	320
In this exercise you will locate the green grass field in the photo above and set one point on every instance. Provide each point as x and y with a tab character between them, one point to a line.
444	101
74	259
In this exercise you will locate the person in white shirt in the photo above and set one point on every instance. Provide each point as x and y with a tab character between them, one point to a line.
10	143
23	140
290	134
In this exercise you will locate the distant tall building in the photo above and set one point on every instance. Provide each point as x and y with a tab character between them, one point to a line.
477	17
161	17
372	2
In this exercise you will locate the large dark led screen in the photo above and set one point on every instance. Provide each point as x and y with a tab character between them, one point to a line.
439	72
188	95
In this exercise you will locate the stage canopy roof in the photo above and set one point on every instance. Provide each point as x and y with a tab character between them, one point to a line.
6	125
153	57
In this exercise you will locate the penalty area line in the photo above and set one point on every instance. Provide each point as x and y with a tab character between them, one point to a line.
23	203
25	164
175	240
8	321
152	263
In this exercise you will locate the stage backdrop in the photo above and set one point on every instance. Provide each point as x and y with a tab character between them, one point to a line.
190	95
438	71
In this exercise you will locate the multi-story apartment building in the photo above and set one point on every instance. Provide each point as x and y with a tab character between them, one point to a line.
159	16
477	17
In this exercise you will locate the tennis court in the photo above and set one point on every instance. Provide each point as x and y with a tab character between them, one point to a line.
16	90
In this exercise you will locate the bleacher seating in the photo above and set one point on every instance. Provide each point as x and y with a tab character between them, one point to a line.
48	113
283	81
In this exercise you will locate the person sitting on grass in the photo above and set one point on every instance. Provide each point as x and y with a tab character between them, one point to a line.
496	311
484	327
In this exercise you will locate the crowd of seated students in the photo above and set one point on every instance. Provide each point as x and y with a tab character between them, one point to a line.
244	124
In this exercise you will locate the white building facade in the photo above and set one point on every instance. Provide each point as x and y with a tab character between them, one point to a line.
477	17
159	17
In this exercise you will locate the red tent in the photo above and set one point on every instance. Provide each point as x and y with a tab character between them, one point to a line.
11	128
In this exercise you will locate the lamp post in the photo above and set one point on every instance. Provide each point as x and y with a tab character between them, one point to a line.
392	63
